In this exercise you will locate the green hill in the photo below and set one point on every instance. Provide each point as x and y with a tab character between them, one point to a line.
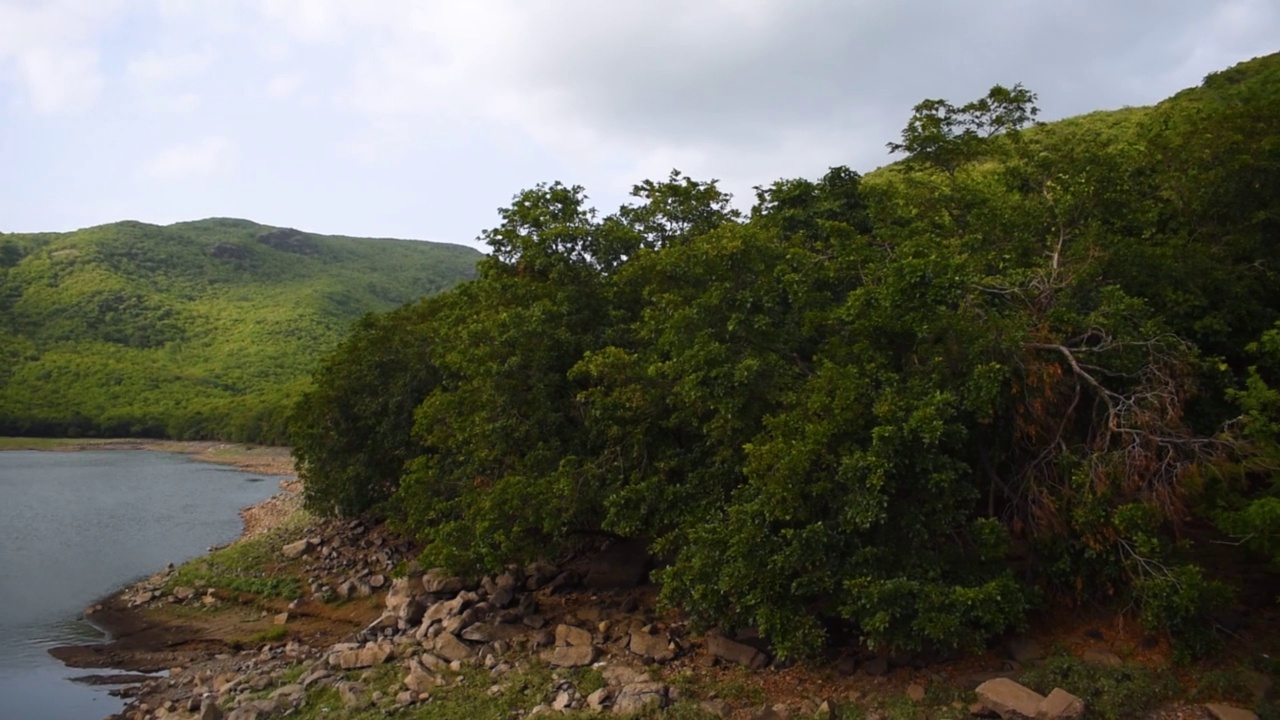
202	329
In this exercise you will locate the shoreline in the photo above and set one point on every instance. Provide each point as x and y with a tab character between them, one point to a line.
257	459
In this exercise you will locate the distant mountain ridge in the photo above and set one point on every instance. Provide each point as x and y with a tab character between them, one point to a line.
196	329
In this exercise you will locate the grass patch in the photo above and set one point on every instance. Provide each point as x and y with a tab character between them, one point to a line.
1113	693
275	633
247	566
24	443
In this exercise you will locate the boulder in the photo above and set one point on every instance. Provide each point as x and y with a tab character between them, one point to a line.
1061	705
640	696
572	636
570	656
419	681
651	646
1229	712
1009	699
354	696
736	652
295	550
449	647
439	582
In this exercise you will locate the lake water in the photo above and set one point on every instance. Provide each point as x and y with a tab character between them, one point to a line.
75	526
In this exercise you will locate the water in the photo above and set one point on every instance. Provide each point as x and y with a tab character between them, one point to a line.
74	526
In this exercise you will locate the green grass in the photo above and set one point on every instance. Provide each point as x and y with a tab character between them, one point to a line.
243	566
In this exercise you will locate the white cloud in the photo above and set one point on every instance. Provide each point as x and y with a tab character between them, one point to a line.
203	158
283	86
157	68
51	45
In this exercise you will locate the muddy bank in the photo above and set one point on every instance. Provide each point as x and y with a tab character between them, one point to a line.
259	459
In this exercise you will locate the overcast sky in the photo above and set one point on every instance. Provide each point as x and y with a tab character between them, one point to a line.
418	118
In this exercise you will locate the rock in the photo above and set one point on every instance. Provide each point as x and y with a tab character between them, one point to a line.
143	598
184	593
368	656
1229	712
479	633
563	700
378	581
619	675
1009	699
280	619
572	636
639	696
419	681
1104	658
1060	705
826	710
442	610
295	550
209	710
449	647
354	696
651	646
1025	650
915	692
570	656
439	582
599	699
736	652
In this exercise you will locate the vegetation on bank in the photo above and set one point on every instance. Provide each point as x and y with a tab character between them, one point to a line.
1026	364
198	330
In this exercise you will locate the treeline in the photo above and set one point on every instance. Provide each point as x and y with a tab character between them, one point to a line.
199	330
1026	364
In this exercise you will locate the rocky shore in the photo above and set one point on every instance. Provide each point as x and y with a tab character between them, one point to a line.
360	632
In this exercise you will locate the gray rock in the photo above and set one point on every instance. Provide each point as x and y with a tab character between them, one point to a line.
295	550
1009	699
419	681
439	582
736	652
651	646
1061	705
640	696
572	636
449	647
1229	712
599	699
570	656
354	696
209	710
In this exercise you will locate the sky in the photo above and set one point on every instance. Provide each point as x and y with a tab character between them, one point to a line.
421	118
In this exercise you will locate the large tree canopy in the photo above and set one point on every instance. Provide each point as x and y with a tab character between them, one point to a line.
906	405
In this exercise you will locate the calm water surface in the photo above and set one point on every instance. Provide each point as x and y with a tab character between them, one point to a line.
75	526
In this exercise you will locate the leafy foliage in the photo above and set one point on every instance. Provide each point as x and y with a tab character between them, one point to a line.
910	405
195	330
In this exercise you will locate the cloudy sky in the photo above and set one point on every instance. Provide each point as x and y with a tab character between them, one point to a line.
419	118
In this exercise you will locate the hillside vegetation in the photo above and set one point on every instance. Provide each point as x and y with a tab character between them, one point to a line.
1026	364
197	330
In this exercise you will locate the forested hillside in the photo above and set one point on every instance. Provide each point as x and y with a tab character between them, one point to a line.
203	329
1026	364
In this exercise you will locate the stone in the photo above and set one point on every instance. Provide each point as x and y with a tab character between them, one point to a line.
651	646
570	656
1105	658
419	681
184	593
449	647
619	675
442	611
1229	712
295	550
439	582
209	709
1025	650
281	618
826	710
572	636
562	701
479	633
354	696
1009	699
915	692
1061	705
736	652
640	696
368	656
599	699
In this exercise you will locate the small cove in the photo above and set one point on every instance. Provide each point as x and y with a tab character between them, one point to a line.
75	526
